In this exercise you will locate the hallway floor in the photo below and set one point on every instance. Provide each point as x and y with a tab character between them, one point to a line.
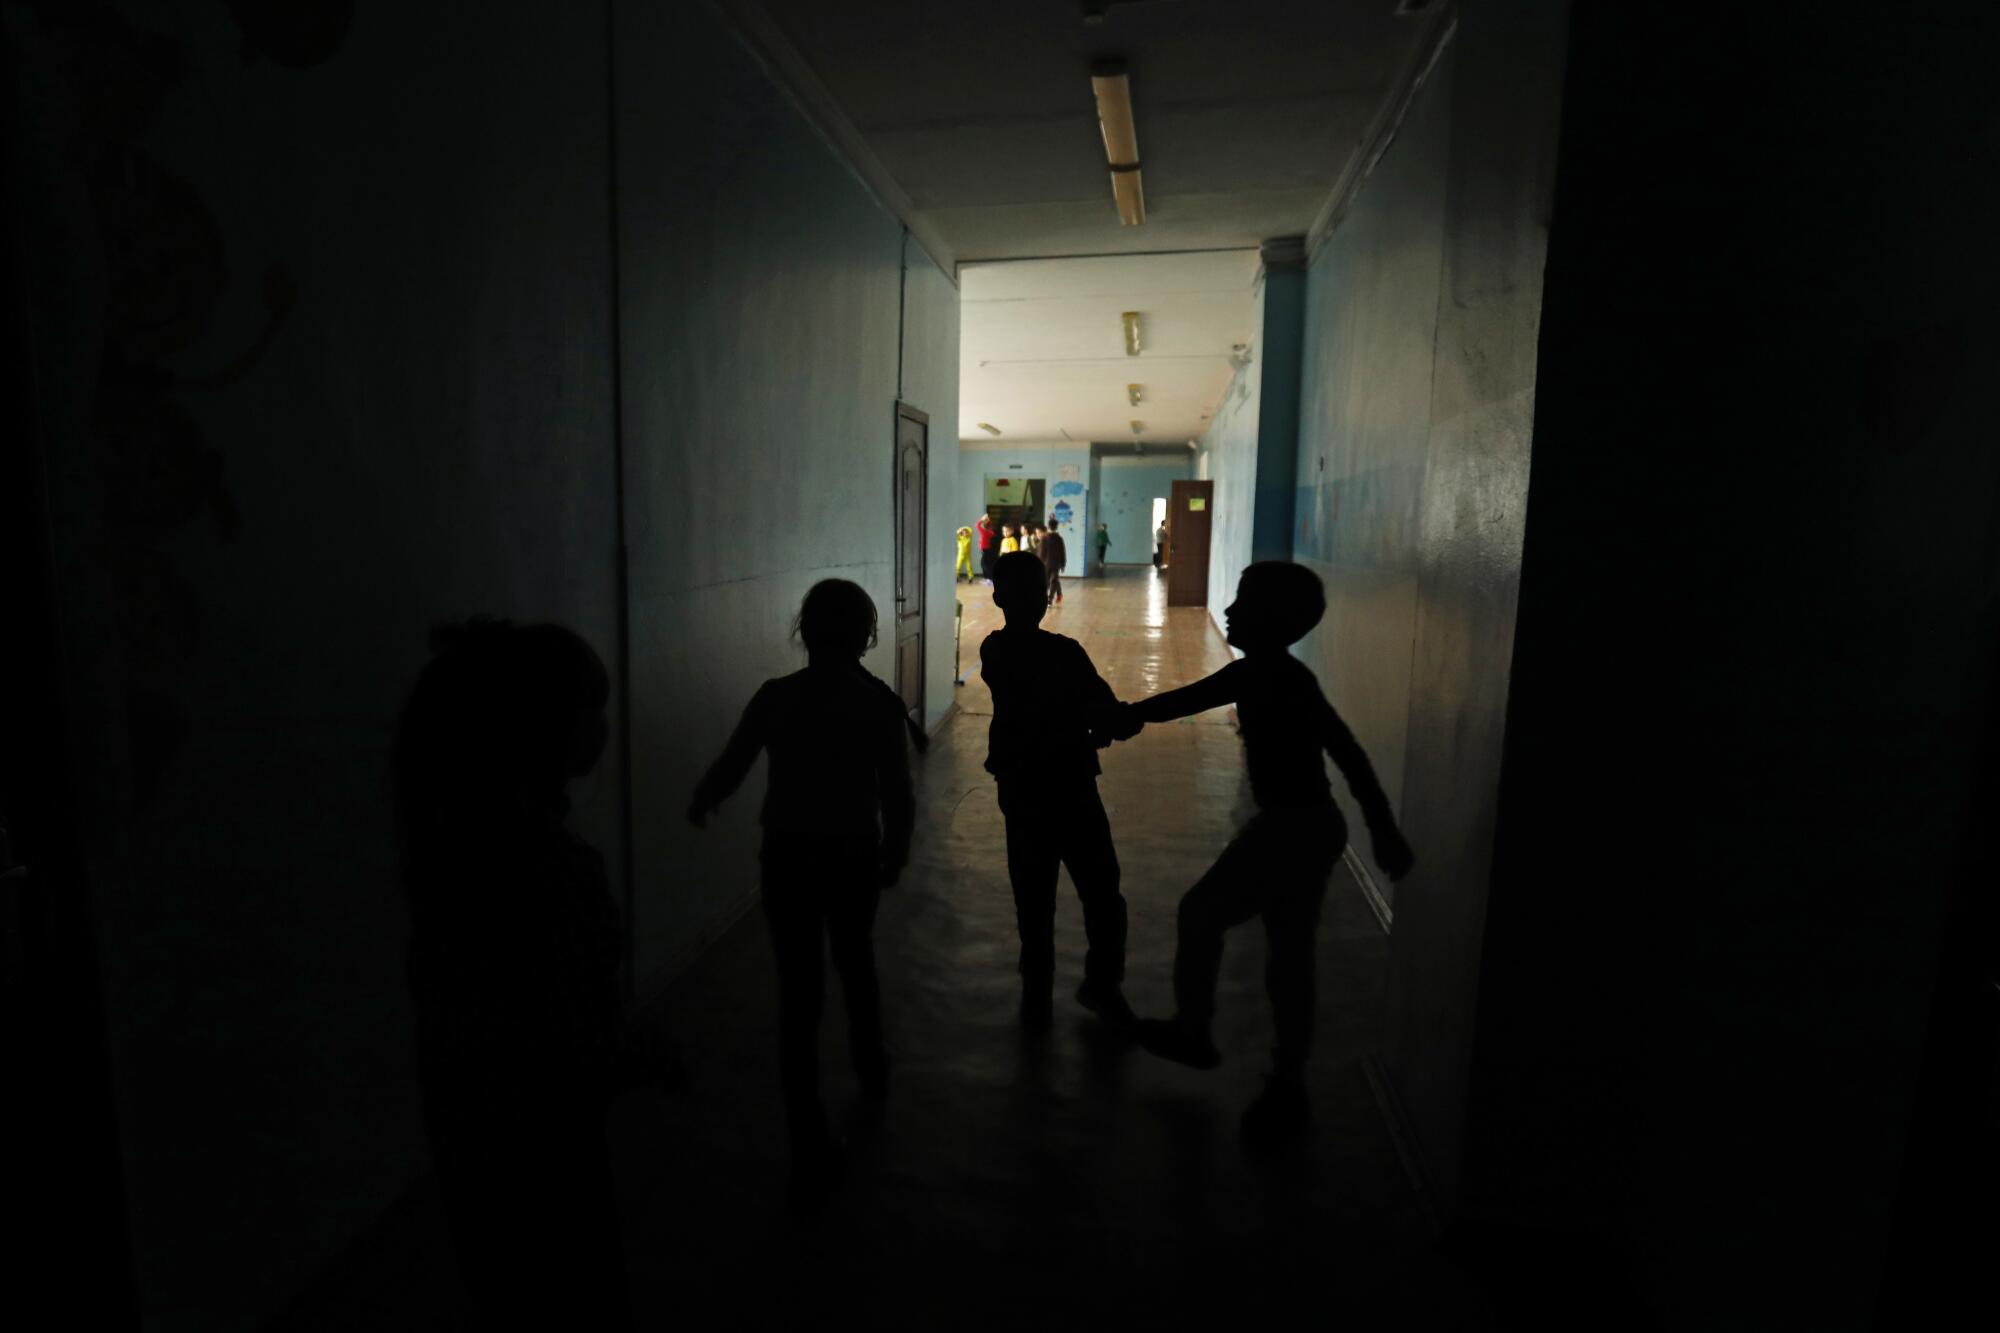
1065	1181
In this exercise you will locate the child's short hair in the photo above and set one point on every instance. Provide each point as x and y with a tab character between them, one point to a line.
837	616
1020	574
1297	598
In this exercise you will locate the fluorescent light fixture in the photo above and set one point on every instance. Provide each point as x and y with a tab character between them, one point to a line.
1131	318
989	428
1135	392
1113	88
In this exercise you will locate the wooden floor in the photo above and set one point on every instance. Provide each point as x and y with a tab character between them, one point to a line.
1066	1182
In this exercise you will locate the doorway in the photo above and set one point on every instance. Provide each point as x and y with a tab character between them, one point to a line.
1153	533
1190	510
912	496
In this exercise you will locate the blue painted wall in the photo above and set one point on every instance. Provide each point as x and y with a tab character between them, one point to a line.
761	305
1126	490
432	434
978	461
1364	434
1228	456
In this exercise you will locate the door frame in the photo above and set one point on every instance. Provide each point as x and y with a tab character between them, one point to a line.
919	595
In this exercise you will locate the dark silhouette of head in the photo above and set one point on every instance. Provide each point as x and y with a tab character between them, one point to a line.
502	717
1021	588
836	621
1277	604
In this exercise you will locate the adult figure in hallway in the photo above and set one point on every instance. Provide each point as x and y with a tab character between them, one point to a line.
1160	545
989	545
516	940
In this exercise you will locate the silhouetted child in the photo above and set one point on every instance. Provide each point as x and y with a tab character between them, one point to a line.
1277	865
963	569
1047	701
515	946
831	844
1055	553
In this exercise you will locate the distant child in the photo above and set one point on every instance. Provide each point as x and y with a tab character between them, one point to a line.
1054	553
1277	865
1102	539
1035	531
1009	543
963	569
1048	701
830	847
989	545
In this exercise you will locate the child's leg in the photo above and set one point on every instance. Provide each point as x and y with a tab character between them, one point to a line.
1093	867
793	910
850	922
1032	868
1301	856
1228	895
1291	924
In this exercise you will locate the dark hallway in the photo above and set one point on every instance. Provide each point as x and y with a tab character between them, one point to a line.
1011	1166
578	576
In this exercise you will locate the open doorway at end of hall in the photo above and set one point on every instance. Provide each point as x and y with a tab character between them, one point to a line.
1157	526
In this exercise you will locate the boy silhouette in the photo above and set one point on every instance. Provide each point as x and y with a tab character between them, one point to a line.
1277	865
1049	707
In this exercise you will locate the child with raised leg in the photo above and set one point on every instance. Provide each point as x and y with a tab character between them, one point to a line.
1277	865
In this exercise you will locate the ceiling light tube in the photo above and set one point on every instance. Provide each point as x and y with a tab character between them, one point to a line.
989	428
1135	392
1131	318
1113	88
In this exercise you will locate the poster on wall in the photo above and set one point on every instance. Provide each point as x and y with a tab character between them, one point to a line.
1067	472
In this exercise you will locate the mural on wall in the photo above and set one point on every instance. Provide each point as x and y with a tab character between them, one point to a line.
164	269
1067	510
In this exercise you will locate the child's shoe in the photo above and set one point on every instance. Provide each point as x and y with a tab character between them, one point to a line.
1038	1009
1107	1001
1183	1043
1280	1115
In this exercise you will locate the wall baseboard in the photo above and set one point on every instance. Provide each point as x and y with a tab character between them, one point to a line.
1369	888
1396	1119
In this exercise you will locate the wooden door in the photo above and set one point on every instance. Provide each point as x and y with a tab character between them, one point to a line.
912	493
1189	512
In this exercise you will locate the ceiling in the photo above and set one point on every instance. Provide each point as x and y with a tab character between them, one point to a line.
1042	346
982	114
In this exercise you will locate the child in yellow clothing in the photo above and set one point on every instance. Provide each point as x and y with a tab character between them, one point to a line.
1009	543
964	566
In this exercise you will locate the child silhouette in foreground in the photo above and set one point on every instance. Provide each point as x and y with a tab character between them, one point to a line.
522	1038
1049	710
830	847
1277	865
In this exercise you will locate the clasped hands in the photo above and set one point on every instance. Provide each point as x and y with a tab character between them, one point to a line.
1121	722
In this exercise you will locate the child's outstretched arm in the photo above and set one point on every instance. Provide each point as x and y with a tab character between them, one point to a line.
726	774
1392	853
1215	690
